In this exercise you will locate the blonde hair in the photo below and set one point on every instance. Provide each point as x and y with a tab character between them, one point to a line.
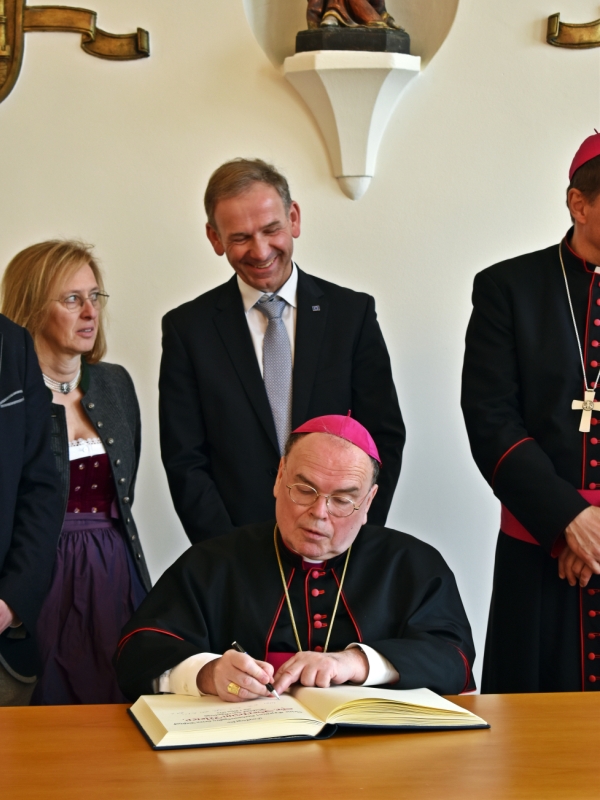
33	277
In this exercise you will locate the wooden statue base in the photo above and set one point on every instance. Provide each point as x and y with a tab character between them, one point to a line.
375	40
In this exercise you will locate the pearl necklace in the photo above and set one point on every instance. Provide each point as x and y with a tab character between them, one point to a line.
63	388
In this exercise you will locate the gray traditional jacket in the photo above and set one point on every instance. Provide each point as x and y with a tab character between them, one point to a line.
110	403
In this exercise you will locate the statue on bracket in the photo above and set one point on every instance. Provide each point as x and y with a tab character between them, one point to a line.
349	13
359	25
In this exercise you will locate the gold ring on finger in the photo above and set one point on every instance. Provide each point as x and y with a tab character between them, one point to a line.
233	688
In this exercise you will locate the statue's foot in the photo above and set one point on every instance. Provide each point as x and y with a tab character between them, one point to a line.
391	22
329	21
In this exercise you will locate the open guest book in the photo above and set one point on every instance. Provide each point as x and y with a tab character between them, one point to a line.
173	720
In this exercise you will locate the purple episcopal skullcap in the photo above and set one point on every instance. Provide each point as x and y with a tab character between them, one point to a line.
588	150
344	427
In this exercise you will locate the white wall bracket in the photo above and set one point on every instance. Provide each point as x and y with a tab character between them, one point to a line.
352	96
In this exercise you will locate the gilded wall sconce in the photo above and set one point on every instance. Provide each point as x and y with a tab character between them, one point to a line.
16	19
576	36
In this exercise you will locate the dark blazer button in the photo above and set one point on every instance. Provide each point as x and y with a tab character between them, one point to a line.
121	480
118	462
128	520
133	537
125	499
139	555
91	405
110	440
100	424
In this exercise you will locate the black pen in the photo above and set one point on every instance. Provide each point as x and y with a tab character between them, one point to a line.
237	646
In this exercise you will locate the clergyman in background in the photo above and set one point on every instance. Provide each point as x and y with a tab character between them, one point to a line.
248	361
530	378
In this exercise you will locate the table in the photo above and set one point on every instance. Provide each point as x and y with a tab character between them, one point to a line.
540	746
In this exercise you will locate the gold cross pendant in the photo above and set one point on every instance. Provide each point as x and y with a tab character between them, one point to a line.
586	406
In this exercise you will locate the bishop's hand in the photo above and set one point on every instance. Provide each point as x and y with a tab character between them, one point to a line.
583	540
322	669
235	677
573	568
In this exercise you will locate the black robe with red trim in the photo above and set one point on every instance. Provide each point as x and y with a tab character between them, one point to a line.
521	373
399	597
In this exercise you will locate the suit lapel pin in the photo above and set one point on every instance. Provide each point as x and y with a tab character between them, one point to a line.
316	308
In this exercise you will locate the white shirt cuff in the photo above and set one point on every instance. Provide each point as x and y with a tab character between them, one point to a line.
182	678
380	669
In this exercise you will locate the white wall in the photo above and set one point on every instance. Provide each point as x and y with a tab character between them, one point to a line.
472	169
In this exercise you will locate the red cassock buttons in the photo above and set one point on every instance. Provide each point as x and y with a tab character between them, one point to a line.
591	486
315	573
597	322
593	364
593	440
592	656
593	614
595	343
593	463
594	421
598	302
593	679
319	616
318	649
317	592
318	624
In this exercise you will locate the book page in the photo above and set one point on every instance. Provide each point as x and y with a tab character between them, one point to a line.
374	706
183	721
181	712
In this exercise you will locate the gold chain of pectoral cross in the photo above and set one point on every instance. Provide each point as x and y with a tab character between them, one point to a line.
589	402
289	603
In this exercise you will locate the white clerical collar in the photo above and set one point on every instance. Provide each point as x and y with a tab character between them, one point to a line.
288	291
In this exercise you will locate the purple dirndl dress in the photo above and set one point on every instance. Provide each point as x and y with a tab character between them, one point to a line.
94	591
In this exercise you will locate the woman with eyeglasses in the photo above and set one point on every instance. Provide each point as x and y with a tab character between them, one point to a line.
55	290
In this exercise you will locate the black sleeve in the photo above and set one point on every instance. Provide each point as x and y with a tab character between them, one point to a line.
435	650
183	442
518	470
27	568
136	430
375	405
167	628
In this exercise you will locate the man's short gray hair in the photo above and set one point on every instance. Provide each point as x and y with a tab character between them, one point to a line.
238	176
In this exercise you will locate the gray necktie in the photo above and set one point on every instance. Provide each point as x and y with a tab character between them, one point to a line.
277	366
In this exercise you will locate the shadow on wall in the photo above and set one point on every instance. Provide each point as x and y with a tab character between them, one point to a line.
276	22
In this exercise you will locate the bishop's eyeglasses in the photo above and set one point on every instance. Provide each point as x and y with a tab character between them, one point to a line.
337	504
76	301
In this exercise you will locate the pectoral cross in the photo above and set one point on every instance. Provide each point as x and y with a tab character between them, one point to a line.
586	406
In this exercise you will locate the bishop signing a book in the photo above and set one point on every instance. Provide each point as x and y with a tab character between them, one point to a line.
318	596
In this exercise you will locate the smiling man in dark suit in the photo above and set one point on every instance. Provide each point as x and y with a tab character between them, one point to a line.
248	361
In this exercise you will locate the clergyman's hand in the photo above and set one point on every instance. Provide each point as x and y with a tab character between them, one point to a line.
238	668
322	669
573	568
583	538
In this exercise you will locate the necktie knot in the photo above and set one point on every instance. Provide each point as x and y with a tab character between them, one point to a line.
272	307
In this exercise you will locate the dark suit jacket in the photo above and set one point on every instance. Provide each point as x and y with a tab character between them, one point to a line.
30	500
218	439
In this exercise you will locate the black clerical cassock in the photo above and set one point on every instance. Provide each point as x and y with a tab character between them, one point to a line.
521	375
399	597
